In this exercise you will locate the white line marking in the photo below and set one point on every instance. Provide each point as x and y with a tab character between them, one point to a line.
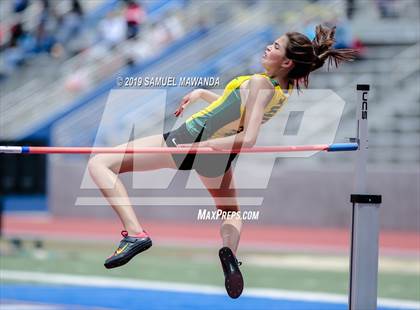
167	201
188	288
328	263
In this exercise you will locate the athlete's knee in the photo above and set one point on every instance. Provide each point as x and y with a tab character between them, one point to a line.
96	163
228	207
225	200
223	193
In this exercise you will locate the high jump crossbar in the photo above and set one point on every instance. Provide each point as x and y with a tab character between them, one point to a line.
336	147
364	242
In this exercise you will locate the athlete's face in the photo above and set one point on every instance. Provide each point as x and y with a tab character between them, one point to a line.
274	57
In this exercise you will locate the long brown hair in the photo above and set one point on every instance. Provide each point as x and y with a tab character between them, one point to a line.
310	55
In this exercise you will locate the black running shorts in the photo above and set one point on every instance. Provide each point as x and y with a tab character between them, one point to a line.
208	165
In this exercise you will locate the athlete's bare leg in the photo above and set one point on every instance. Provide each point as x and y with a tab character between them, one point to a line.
223	192
104	169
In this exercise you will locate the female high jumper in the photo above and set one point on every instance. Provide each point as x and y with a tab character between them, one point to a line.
230	121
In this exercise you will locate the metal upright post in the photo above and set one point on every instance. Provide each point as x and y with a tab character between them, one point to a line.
365	220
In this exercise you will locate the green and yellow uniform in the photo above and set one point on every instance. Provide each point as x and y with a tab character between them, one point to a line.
225	116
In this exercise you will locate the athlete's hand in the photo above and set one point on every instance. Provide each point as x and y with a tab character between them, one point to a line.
207	143
189	98
195	145
214	146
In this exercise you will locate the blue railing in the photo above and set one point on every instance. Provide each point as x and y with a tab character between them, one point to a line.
43	130
232	55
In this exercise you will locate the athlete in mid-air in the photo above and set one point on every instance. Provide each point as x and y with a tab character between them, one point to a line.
230	121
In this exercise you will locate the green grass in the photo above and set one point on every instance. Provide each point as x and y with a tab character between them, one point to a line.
195	265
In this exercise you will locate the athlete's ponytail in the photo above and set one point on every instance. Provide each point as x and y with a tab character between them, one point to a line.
323	42
310	55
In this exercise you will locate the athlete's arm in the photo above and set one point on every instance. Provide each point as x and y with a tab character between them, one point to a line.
193	97
260	93
208	95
